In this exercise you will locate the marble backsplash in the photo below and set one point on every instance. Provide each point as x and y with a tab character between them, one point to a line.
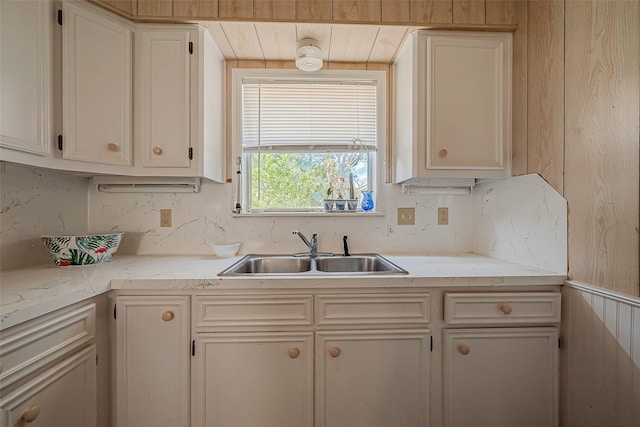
520	219
201	219
36	202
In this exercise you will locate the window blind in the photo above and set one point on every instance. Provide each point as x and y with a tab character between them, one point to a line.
296	116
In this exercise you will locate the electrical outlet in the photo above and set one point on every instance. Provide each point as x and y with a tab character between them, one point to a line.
443	216
165	217
406	216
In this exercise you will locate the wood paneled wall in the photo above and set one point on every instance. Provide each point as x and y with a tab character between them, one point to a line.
600	359
602	148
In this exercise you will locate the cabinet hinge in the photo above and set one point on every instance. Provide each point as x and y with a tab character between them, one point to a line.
193	347
114	311
96	360
559	343
191	48
431	337
60	142
190	153
60	16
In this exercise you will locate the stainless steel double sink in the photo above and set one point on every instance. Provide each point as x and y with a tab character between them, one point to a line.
365	264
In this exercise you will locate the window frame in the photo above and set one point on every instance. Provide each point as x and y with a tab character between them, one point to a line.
377	167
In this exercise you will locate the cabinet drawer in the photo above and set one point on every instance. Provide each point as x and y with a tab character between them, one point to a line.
511	307
29	346
372	309
63	395
253	310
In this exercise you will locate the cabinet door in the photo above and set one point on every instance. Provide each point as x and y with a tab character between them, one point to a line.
96	86
152	361
163	97
501	377
372	378
64	395
468	103
253	379
26	41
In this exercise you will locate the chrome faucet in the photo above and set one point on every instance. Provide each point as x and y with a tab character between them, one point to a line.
312	245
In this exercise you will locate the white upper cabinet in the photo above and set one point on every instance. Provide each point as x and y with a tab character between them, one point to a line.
97	87
162	97
179	102
453	105
26	44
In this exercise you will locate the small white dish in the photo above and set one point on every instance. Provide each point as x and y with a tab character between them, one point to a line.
225	250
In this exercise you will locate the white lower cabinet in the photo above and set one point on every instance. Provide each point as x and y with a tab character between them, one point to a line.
501	376
253	379
153	355
376	378
48	370
64	395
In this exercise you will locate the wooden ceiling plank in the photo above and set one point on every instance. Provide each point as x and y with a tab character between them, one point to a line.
352	43
220	38
243	38
386	44
278	41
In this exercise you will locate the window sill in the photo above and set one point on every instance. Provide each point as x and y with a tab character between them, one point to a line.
332	214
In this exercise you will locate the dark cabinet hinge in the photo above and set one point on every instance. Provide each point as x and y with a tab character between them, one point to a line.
190	153
114	311
559	343
431	342
60	16
191	48
96	360
60	142
193	347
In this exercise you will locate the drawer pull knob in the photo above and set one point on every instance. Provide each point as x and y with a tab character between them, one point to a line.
31	414
334	352
506	309
167	316
294	353
464	349
157	151
443	152
113	147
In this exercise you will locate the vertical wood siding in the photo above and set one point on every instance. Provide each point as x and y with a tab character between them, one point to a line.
600	359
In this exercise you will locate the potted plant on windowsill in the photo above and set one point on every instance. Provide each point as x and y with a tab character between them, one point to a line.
328	202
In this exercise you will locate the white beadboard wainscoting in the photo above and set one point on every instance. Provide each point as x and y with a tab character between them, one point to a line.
600	366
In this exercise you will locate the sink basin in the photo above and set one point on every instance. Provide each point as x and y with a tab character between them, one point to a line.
268	264
370	263
259	265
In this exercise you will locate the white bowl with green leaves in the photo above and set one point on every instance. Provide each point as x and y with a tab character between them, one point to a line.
83	249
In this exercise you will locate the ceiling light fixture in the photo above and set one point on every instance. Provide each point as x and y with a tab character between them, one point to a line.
308	55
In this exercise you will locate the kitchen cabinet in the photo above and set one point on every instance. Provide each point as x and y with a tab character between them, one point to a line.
372	378
253	361
27	75
253	379
179	87
453	105
153	352
372	359
504	375
97	86
48	370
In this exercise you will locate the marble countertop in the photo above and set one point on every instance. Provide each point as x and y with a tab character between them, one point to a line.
30	292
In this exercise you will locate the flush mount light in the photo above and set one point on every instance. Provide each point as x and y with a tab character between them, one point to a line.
308	55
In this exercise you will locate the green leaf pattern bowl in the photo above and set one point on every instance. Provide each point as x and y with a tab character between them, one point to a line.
82	250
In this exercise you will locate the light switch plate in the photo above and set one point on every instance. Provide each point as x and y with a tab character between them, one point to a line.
443	216
165	217
406	216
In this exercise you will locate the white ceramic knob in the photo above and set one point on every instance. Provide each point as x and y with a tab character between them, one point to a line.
30	414
167	316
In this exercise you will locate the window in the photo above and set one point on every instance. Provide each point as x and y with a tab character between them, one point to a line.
299	134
